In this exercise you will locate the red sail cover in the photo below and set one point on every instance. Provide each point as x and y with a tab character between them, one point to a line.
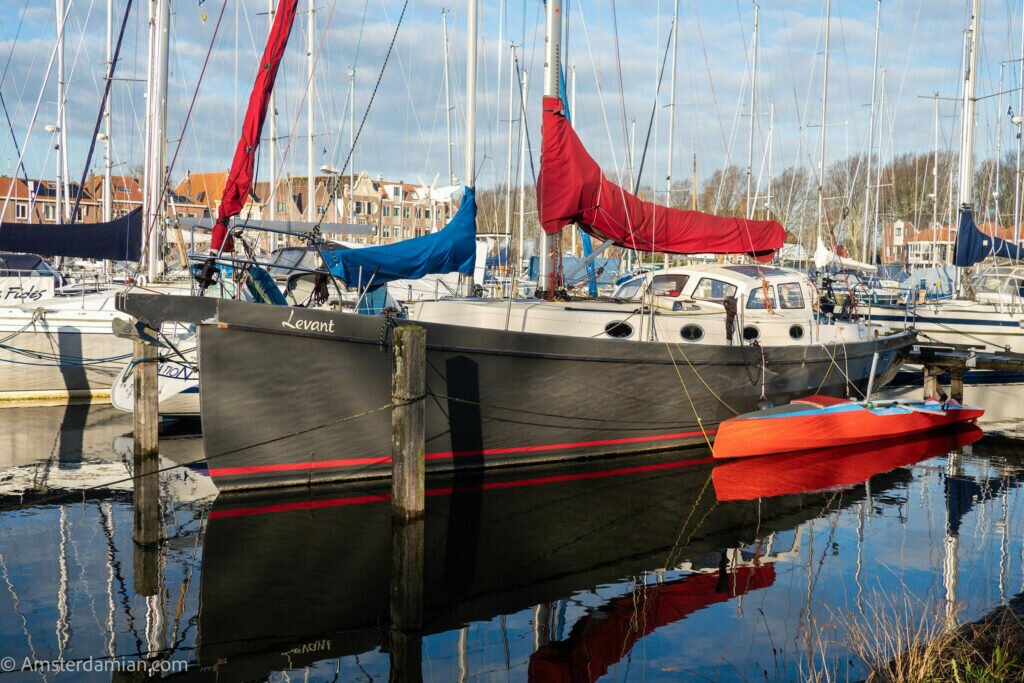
240	177
572	189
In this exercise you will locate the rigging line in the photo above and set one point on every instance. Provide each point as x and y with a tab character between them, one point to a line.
14	139
622	91
366	112
14	43
654	109
103	106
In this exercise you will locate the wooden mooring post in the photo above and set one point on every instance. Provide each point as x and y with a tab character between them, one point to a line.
146	523
408	425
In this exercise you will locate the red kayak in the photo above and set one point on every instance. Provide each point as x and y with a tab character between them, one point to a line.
833	468
824	422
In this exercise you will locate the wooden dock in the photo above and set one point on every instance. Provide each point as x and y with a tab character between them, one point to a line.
957	359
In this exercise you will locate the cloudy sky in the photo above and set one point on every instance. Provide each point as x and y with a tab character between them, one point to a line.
616	49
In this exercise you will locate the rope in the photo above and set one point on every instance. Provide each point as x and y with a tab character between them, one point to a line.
700	421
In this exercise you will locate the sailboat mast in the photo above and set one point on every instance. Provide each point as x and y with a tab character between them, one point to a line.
878	168
508	155
108	200
935	169
1020	129
61	170
671	102
272	114
522	164
352	142
871	134
156	136
966	188
447	96
471	53
310	152
550	244
824	120
753	115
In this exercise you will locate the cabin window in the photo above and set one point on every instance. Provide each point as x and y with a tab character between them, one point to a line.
751	333
790	295
619	329
692	333
668	285
756	298
21	211
709	289
630	290
796	331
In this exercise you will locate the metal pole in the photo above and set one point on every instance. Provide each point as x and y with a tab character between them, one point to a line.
447	96
871	134
310	151
771	143
753	114
878	180
508	165
156	134
550	244
574	230
672	102
352	142
1020	129
966	188
272	114
471	37
999	143
522	165
824	120
107	127
61	172
935	169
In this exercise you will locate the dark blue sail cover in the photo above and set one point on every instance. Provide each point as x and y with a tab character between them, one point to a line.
118	240
974	246
449	250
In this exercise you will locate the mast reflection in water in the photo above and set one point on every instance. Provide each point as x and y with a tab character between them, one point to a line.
654	568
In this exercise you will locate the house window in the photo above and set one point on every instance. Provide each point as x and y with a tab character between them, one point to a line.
387	231
419	214
426	214
48	212
359	207
321	209
405	212
899	231
21	211
387	210
281	207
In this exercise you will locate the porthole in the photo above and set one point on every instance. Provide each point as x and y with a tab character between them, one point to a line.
751	333
692	333
796	331
618	329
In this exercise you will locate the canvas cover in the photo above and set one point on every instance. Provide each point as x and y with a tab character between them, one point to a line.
117	240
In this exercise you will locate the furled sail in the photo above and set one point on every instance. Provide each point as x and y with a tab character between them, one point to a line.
451	249
572	189
974	246
824	257
240	177
117	240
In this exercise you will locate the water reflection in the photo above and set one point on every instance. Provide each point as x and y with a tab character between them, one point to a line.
673	567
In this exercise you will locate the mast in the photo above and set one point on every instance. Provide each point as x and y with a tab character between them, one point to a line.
824	120
551	244
156	135
447	96
108	200
965	191
999	141
771	143
871	133
59	203
471	37
272	113
522	163
878	169
310	151
352	141
508	155
935	169
572	108
671	102
753	113
1019	120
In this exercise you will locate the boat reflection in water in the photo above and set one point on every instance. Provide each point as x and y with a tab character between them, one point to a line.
290	579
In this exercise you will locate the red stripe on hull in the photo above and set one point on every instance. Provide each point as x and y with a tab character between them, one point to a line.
494	485
383	460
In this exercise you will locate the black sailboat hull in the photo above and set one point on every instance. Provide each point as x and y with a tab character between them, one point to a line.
293	397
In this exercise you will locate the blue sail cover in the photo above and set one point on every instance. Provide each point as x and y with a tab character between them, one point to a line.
974	246
118	240
452	249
